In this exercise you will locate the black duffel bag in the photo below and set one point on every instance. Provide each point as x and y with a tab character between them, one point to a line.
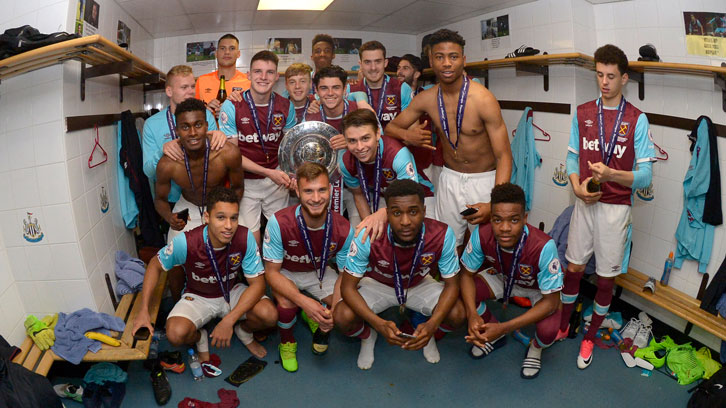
18	40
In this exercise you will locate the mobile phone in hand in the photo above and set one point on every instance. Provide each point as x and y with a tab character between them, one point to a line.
406	335
142	334
468	212
183	214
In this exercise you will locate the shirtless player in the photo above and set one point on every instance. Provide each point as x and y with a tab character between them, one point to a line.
474	137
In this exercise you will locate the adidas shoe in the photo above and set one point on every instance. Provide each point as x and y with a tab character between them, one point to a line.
477	352
69	391
584	358
522	51
160	385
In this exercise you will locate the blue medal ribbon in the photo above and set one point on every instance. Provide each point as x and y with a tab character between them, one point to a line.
253	110
463	92
170	122
381	97
204	179
607	155
336	197
328	228
215	267
402	293
514	270
376	182
305	110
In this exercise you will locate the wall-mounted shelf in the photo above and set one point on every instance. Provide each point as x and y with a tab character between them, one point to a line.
636	69
538	64
98	57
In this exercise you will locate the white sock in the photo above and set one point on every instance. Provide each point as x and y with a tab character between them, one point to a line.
367	346
244	336
431	352
534	355
203	342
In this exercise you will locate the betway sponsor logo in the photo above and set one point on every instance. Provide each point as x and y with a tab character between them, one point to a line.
387	117
301	259
253	138
422	271
212	279
595	145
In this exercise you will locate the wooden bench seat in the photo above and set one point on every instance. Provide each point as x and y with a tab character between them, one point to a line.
674	301
32	358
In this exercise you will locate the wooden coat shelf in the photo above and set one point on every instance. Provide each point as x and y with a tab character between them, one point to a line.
98	57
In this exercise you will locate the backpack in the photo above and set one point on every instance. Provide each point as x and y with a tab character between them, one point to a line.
710	393
21	39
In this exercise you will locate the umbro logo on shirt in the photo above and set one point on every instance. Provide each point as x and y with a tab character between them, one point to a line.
383	264
199	265
293	243
245	120
588	123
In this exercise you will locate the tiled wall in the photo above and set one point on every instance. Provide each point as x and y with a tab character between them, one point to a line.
559	26
629	25
44	171
48	16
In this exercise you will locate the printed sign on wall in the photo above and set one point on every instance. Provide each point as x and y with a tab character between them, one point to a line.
705	33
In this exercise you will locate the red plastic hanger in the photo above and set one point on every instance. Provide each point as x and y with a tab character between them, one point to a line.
546	136
95	146
661	152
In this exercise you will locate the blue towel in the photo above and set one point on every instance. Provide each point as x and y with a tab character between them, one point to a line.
70	341
102	373
525	155
559	233
129	273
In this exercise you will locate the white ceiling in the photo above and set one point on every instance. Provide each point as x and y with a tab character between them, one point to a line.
164	18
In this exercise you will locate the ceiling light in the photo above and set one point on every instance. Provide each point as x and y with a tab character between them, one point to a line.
315	5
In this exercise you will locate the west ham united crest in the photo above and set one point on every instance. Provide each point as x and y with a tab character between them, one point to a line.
560	175
31	229
104	200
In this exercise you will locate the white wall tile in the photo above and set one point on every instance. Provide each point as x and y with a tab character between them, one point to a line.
19	264
19	144
88	250
48	143
11	230
6	198
59	223
40	262
75	177
50	299
53	184
25	188
12	305
6	276
80	214
77	295
46	100
67	261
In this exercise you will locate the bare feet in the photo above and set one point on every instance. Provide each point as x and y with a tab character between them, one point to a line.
257	349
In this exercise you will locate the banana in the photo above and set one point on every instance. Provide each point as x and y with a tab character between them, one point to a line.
103	338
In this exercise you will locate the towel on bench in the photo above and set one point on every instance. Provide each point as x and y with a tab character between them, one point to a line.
71	344
129	273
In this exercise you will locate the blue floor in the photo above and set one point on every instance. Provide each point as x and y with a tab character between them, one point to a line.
404	379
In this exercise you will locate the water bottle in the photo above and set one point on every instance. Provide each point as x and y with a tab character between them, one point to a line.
667	270
617	338
575	319
195	366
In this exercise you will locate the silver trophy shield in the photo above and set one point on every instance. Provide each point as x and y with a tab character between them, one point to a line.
309	141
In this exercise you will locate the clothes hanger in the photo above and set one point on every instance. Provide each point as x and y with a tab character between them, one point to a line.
95	146
661	152
546	136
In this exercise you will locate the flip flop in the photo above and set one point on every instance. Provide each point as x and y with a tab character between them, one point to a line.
531	363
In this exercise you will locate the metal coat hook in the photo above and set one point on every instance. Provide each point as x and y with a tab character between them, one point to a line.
95	146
